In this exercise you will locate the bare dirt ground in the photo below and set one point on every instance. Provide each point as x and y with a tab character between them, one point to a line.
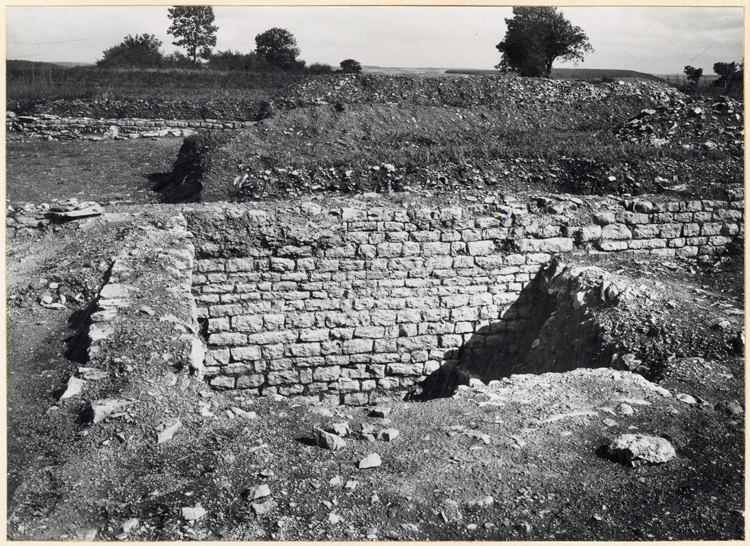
518	459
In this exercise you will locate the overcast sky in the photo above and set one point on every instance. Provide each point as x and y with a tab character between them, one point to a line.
654	40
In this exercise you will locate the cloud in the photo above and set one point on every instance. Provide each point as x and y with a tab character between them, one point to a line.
660	40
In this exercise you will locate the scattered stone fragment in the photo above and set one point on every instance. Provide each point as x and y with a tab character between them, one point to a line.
192	514
626	409
487	500
371	461
130	525
334	518
380	411
682	397
472	527
339	429
451	511
261	508
101	409
256	492
635	448
730	407
327	440
168	432
74	387
388	435
609	422
147	310
249	415
93	374
335	481
351	484
369	429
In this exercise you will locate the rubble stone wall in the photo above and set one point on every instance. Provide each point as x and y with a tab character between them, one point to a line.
53	127
347	302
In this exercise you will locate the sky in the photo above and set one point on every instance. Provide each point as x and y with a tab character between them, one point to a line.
657	40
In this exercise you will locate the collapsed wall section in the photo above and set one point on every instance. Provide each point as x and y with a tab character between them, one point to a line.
348	303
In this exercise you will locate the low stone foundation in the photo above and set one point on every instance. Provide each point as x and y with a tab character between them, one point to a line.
51	127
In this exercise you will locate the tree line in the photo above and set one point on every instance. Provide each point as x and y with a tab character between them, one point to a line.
535	38
194	31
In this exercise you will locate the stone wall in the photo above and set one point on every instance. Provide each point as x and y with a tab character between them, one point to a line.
348	302
51	127
144	312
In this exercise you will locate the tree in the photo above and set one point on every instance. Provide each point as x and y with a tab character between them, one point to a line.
278	47
194	29
350	66
536	37
141	50
693	75
730	74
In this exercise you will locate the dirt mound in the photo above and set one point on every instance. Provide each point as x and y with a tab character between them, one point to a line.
498	91
433	150
696	123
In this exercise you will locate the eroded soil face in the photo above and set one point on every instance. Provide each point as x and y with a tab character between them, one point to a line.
513	460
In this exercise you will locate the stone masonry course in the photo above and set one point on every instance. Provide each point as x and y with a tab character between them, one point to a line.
348	303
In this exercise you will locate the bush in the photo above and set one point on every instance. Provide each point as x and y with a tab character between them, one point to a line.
140	51
350	66
730	76
234	60
318	68
693	75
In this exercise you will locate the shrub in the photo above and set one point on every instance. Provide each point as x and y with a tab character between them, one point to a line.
693	75
140	51
730	76
350	66
318	68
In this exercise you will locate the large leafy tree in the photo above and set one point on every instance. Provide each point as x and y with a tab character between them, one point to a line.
194	29
140	51
278	47
730	75
536	37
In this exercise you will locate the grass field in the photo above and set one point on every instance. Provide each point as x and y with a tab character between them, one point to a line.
32	82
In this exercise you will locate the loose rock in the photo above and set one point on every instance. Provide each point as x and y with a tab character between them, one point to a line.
636	448
371	461
327	440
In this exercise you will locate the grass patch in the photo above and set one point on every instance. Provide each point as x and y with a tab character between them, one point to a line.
31	83
392	148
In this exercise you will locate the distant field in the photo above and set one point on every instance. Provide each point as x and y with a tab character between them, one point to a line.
571	73
427	71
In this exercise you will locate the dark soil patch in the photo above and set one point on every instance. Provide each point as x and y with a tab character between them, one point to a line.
107	171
